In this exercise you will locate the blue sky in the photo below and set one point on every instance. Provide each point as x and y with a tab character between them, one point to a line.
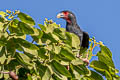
100	18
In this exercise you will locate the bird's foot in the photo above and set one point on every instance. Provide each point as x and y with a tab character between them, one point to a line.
85	60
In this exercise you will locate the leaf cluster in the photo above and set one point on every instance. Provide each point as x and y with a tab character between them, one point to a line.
52	53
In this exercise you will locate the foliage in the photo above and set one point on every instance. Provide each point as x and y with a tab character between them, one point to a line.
52	53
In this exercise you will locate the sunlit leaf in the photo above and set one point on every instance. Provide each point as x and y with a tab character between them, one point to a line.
68	38
57	49
23	59
75	41
26	18
47	75
77	61
50	27
2	59
3	14
43	28
31	51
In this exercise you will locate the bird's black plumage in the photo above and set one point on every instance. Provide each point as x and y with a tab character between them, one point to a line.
73	27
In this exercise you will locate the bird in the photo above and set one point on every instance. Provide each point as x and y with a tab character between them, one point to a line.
73	27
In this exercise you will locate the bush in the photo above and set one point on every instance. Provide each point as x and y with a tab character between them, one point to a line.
51	55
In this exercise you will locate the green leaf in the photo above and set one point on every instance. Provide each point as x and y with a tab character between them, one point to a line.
18	31
50	27
81	69
26	44
22	36
101	68
47	75
1	26
105	55
67	53
31	52
29	77
106	50
37	32
3	59
60	68
94	76
77	61
57	49
68	38
43	70
26	18
43	28
113	72
25	28
48	36
14	23
55	37
37	35
23	59
41	53
3	38
11	46
2	51
12	63
75	41
23	73
13	27
60	32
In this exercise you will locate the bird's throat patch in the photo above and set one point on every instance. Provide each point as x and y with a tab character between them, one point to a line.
68	20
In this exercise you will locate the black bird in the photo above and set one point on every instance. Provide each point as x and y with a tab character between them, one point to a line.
72	26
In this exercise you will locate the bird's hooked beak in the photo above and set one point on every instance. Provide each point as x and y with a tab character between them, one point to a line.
60	15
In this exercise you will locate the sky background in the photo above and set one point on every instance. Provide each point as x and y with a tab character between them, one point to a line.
100	18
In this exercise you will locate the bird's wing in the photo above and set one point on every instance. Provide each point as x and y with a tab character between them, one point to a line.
85	41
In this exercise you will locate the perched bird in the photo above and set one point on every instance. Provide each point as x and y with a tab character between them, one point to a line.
72	26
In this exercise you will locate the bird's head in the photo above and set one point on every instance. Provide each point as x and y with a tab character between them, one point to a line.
67	15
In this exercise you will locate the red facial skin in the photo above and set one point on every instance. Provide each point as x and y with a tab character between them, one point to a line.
66	17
